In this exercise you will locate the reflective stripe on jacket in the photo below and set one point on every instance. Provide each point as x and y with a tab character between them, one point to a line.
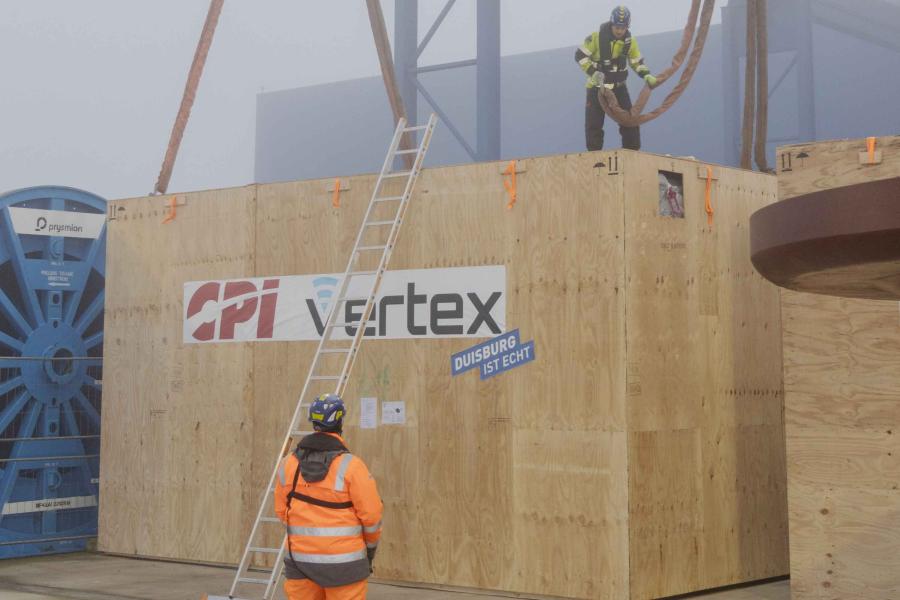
615	68
331	523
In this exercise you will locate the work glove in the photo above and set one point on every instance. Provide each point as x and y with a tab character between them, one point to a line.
597	78
651	80
370	554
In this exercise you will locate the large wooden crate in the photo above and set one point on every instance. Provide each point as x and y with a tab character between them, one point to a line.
641	455
842	407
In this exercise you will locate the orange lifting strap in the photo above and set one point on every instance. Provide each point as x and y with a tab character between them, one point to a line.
509	182
709	208
172	211
336	198
870	145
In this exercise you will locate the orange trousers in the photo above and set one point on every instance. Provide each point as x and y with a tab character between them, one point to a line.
307	589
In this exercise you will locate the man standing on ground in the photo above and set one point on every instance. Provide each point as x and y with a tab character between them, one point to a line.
329	503
605	57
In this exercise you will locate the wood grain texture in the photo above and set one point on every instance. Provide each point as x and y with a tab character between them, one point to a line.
595	472
842	412
176	420
707	495
806	168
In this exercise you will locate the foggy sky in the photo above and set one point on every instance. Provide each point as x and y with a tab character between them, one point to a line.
91	88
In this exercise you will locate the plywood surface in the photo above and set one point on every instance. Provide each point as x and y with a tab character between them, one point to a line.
585	474
175	422
706	452
842	413
806	168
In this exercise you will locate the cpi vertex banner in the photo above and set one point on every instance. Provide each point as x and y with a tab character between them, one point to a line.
422	303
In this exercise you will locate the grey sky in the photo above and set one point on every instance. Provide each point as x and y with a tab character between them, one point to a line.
90	88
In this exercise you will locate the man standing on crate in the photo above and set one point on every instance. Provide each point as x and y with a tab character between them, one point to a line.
329	503
605	57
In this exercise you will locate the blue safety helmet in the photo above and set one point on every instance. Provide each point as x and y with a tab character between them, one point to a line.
326	413
621	17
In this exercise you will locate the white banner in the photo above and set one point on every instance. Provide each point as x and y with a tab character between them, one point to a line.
30	506
34	221
422	303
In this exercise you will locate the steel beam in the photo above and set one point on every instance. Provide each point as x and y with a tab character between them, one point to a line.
488	80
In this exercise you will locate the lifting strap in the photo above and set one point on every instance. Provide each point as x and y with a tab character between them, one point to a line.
509	182
635	116
336	198
709	208
190	92
170	216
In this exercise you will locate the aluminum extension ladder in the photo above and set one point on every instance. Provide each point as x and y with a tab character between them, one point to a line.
265	580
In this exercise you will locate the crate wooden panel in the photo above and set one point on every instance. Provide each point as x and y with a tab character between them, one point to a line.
842	408
650	419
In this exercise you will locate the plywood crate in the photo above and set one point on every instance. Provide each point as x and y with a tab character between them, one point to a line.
641	455
842	406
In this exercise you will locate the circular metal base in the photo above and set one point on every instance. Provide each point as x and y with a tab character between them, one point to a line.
840	242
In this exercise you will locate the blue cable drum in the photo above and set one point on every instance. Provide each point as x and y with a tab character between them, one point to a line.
52	273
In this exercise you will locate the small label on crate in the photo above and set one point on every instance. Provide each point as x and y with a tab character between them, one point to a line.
47	504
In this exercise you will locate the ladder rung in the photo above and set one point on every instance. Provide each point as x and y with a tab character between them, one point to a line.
247	574
339	325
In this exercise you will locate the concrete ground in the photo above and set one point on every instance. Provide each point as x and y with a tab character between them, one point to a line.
88	576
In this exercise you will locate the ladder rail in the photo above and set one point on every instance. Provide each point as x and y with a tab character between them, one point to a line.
386	255
327	336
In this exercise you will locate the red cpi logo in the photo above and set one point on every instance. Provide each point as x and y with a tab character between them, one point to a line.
236	302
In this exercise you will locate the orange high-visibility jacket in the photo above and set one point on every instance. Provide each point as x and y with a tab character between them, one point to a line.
333	525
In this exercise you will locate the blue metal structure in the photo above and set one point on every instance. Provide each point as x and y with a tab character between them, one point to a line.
52	271
792	27
408	49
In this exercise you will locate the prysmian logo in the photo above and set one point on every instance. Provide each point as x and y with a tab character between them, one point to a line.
63	228
58	223
43	225
423	303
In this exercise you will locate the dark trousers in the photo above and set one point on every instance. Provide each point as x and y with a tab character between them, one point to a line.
594	117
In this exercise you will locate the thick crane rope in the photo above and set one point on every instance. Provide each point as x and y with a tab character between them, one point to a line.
756	87
190	93
762	85
383	48
749	89
634	117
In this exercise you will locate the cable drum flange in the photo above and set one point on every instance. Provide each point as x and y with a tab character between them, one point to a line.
52	275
